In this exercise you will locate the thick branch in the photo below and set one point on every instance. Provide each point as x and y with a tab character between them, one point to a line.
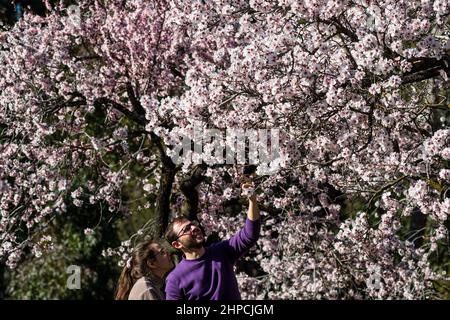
189	191
72	102
139	119
423	68
134	101
422	75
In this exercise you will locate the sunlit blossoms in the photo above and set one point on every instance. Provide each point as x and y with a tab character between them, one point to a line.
357	90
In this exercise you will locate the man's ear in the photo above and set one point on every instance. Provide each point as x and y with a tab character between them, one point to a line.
176	245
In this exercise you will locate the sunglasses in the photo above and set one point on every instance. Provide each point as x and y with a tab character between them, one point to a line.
187	229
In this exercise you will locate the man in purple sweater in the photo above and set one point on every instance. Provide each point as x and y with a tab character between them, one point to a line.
207	273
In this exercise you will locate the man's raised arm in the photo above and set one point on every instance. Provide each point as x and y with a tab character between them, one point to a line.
247	237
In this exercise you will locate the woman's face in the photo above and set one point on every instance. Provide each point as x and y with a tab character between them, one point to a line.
163	259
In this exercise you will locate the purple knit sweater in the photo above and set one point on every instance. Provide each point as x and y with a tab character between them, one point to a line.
211	277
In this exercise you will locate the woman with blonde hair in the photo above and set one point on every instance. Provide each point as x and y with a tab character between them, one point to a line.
143	276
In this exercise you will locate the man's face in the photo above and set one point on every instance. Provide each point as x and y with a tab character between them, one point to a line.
189	234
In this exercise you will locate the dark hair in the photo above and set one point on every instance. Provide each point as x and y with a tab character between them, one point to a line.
170	234
137	268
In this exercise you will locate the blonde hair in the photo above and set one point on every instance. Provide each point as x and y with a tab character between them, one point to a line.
136	268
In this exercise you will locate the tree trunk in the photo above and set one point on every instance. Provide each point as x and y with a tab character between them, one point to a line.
163	199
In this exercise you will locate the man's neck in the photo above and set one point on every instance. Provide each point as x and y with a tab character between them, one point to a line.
194	253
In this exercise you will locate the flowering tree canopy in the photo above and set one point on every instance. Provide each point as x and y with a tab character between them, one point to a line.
357	90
